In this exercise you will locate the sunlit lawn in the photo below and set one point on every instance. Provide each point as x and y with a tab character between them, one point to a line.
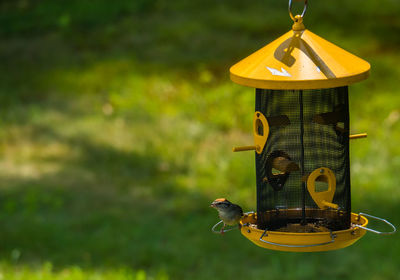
117	123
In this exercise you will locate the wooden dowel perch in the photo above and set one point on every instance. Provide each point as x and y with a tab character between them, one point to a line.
357	136
244	148
330	204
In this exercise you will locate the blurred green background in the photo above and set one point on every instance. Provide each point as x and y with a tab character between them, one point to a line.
116	126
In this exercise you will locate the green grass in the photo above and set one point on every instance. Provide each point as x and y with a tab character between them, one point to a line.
117	121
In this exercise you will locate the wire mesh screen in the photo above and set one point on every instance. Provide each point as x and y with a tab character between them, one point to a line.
309	128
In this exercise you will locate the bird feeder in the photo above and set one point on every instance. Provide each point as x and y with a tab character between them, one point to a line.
301	141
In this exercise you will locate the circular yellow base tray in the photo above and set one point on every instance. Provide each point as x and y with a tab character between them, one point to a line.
303	242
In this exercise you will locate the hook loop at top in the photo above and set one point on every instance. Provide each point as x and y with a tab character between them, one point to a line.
302	14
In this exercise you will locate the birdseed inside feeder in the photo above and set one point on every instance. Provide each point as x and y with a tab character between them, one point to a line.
301	141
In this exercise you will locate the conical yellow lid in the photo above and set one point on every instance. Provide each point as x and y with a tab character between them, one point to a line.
299	60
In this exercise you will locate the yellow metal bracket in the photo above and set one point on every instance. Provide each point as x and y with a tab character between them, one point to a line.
243	148
260	133
322	198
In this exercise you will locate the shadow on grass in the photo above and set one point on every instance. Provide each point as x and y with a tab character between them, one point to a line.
103	208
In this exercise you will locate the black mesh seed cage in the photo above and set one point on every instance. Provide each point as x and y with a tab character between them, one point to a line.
309	128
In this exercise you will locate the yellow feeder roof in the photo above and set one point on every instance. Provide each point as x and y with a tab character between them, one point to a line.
299	60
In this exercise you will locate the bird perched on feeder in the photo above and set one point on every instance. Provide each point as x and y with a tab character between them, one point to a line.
229	213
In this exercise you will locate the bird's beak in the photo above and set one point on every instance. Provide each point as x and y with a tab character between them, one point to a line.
212	205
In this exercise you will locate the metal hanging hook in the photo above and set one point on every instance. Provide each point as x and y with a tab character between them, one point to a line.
290	9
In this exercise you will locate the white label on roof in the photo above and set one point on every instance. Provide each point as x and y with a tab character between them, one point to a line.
276	72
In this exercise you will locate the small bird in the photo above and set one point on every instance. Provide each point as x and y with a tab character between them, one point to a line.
229	213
